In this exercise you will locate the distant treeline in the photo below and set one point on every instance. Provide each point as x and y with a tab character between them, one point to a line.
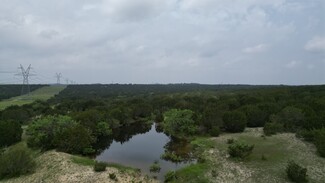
8	91
113	90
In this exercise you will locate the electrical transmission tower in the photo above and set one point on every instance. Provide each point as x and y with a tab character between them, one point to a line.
25	89
58	77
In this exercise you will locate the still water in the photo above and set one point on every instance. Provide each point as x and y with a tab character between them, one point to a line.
140	151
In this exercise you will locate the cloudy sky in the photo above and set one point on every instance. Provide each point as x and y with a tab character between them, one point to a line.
164	41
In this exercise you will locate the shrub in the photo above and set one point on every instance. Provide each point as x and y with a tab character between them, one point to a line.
263	157
112	176
10	133
214	131
308	135
272	128
16	161
171	156
240	150
179	123
230	141
155	167
42	132
296	173
170	176
75	140
234	121
320	141
99	166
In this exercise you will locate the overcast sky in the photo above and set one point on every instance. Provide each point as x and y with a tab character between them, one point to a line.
164	41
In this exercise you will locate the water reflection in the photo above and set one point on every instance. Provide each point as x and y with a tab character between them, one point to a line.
139	146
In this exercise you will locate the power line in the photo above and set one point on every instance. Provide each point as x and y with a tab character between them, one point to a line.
58	77
25	74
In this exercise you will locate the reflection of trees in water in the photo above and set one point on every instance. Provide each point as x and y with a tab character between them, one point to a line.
102	144
159	128
181	148
122	134
125	133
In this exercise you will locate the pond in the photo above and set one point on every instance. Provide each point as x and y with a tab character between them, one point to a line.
143	149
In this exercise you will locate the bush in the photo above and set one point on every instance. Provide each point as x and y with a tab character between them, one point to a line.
296	173
234	121
155	167
320	141
42	132
230	141
16	161
272	128
170	176
240	150
75	140
112	176
10	133
171	156
99	166
179	123
214	131
308	135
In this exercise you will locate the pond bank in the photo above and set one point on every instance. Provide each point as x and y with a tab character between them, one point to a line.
55	166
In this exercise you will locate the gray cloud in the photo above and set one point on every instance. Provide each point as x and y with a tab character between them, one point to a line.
150	41
317	44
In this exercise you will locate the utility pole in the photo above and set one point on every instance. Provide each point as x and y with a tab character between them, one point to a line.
25	89
58	77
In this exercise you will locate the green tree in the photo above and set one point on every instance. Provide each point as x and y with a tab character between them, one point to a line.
291	118
10	132
255	116
179	123
75	140
234	121
43	131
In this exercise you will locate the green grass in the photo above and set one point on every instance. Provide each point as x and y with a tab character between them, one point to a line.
122	167
276	151
203	142
43	93
83	161
193	173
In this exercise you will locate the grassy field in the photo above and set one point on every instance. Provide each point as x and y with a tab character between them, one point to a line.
277	150
43	93
215	165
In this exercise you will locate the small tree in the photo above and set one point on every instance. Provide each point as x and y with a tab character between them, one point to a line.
179	123
16	161
240	150
272	128
42	132
75	140
234	121
296	173
10	133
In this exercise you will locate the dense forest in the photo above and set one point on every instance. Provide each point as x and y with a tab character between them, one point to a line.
84	119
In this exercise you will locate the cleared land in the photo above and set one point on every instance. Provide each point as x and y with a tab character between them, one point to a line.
43	93
277	150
